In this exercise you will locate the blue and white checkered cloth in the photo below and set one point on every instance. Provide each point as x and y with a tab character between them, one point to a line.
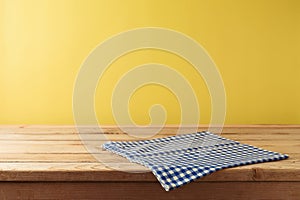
178	160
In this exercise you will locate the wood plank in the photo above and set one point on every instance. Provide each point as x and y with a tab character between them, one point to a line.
168	129
76	148
114	162
80	157
75	137
126	138
53	157
122	136
55	153
79	172
150	190
14	171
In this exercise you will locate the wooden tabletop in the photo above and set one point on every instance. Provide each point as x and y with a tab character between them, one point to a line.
56	153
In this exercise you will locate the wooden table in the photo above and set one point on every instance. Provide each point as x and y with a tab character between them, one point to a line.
50	162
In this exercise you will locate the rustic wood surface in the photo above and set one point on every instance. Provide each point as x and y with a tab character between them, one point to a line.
37	156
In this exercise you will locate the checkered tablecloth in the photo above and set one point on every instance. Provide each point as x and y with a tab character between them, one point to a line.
178	160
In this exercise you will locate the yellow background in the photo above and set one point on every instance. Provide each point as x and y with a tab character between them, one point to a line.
255	44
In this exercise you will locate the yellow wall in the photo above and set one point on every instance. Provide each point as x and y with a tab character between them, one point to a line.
255	44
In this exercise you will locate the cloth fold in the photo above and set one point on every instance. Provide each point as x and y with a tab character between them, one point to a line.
180	159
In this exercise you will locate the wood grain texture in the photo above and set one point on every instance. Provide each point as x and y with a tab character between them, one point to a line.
149	190
38	161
